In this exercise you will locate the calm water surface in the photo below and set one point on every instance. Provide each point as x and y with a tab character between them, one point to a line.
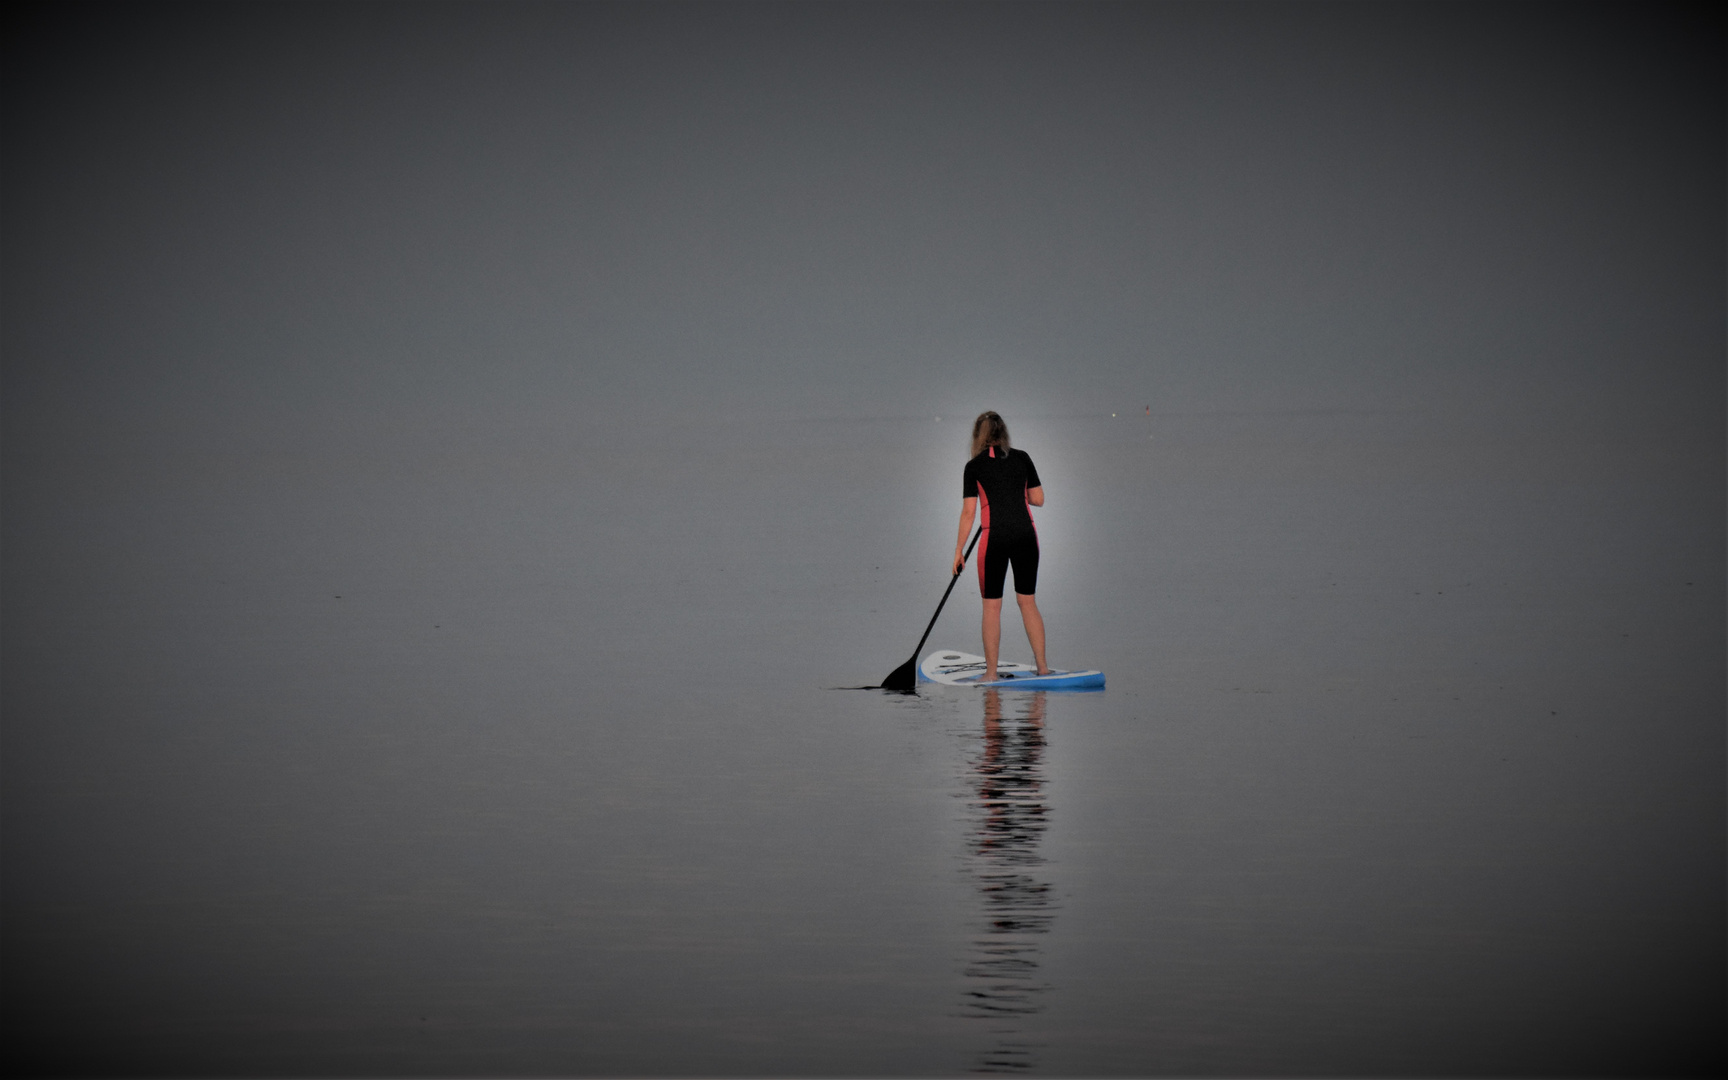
436	754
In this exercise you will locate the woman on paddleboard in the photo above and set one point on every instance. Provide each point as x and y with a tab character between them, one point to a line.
1002	482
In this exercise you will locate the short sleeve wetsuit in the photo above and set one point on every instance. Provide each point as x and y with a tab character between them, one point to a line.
999	481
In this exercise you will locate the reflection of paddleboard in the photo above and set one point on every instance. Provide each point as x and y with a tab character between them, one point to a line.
963	669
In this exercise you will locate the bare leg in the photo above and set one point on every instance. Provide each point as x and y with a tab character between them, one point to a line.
992	636
1034	631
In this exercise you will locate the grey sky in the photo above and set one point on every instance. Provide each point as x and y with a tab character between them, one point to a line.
248	219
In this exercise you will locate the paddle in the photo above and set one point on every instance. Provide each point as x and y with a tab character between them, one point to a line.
905	676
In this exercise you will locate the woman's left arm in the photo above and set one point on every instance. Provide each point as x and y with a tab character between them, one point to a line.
1035	496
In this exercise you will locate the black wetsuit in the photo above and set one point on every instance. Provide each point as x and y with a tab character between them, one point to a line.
999	482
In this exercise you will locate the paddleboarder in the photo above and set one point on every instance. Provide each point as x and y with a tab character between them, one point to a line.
1000	483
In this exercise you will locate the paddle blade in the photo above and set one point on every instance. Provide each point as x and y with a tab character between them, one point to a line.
905	677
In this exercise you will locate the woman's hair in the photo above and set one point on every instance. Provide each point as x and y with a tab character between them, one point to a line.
989	430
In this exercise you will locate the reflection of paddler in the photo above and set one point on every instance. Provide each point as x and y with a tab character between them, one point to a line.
1010	784
1002	483
1004	984
993	710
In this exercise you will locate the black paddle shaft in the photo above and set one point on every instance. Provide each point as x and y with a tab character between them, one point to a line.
905	677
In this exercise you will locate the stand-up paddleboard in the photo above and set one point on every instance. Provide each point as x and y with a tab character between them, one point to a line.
953	668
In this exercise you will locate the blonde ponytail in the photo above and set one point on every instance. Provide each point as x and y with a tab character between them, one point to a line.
989	430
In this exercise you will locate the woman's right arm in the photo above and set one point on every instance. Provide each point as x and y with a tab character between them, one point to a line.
968	510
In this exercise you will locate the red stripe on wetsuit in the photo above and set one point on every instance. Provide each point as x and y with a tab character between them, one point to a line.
984	524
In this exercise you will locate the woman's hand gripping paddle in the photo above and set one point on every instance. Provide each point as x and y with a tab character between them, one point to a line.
905	677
